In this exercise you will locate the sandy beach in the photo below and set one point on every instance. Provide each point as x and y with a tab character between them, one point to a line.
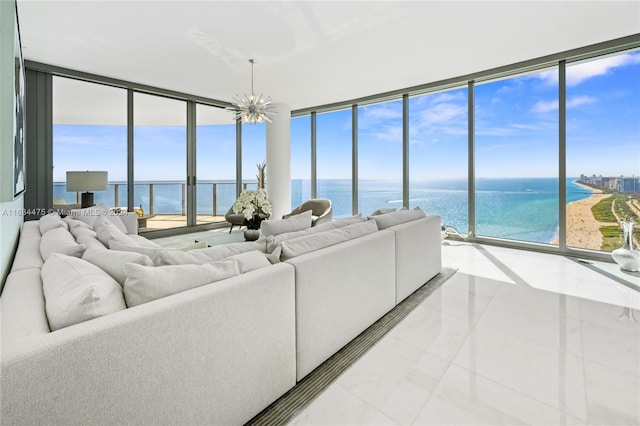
583	230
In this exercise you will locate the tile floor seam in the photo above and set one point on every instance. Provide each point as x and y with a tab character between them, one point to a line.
515	390
371	406
522	394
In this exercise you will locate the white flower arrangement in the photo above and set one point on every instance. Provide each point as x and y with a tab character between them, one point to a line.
254	205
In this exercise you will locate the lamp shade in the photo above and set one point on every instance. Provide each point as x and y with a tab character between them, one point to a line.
86	181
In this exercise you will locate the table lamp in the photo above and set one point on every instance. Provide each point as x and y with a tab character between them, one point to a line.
86	181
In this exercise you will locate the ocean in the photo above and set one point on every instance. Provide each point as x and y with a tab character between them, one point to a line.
519	209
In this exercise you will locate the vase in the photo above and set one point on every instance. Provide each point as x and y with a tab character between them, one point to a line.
251	234
626	256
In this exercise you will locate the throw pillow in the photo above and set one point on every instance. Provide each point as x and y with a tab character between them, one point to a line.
274	241
75	223
59	240
146	283
106	231
306	244
382	211
152	252
113	261
293	223
79	231
90	241
388	220
77	291
51	221
250	261
90	214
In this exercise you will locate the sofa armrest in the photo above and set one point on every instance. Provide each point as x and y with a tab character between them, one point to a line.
216	354
130	221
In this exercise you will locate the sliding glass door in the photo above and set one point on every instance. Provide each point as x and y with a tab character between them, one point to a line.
160	161
215	163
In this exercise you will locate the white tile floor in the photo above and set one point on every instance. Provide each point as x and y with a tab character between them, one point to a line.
514	337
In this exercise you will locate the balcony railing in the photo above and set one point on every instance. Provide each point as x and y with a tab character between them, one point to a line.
164	197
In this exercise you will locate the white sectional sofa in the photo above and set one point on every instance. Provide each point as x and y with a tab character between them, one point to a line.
215	354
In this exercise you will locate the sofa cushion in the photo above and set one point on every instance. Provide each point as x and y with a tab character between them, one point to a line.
388	220
112	261
106	231
59	240
27	254
77	291
274	241
146	283
205	255
305	244
23	311
291	224
51	221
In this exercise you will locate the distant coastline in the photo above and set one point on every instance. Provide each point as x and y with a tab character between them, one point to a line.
583	230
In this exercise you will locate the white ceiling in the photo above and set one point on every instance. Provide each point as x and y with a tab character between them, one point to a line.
308	53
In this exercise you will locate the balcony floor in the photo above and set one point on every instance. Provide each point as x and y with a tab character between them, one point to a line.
168	221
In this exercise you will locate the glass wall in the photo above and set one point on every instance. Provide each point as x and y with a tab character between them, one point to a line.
333	158
516	158
160	160
300	160
438	156
380	156
89	133
603	149
215	163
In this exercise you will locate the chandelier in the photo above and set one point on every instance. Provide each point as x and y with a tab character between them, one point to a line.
252	109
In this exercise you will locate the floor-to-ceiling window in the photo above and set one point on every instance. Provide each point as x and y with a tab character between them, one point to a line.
89	133
215	163
254	152
160	160
334	160
516	157
438	156
380	156
603	149
300	160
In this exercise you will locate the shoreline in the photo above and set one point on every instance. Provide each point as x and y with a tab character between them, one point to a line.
583	230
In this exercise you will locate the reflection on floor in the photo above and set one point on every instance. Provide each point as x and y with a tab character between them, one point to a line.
514	337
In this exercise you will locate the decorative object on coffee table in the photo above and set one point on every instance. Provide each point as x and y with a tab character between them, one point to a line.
627	256
255	207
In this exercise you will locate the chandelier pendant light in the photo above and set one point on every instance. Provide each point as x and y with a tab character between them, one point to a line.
253	109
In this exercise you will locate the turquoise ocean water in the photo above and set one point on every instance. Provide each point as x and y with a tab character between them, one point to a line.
519	209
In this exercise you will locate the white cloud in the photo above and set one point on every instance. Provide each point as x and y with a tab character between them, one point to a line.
547	106
441	113
581	100
581	72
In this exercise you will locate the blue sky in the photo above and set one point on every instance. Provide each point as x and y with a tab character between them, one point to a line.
516	132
